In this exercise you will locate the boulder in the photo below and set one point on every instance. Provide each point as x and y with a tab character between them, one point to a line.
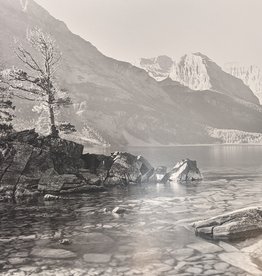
54	183
12	167
240	224
185	170
27	159
90	178
158	174
66	155
127	169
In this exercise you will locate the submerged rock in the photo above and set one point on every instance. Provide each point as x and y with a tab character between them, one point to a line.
52	253
241	260
185	170
97	258
119	210
240	224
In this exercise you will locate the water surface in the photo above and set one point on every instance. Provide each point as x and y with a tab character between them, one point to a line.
153	237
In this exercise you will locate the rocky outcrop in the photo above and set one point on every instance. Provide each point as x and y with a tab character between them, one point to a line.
240	224
185	170
158	174
31	165
127	169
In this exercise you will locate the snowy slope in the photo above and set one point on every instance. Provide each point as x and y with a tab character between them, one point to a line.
251	76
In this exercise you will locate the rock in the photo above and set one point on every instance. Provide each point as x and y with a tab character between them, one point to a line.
185	170
242	261
127	169
118	210
25	157
97	258
221	266
17	261
182	253
158	174
90	178
146	169
49	197
194	270
31	164
12	168
255	251
147	255
240	224
205	247
98	164
66	155
25	136
65	241
52	253
228	247
94	242
52	182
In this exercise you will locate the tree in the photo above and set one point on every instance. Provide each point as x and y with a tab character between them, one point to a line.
6	109
37	81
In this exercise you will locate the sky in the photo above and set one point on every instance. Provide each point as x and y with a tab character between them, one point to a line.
224	30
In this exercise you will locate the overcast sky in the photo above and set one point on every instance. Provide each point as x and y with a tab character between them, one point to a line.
225	30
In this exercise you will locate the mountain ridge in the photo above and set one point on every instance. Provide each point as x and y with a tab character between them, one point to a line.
199	72
119	102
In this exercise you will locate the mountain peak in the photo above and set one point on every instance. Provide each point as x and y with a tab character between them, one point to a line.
198	72
251	75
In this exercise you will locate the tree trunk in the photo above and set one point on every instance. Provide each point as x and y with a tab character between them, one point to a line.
53	129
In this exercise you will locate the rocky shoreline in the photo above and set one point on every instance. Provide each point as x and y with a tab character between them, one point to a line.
32	165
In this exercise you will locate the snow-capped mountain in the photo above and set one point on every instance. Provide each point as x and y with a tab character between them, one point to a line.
158	68
120	104
251	76
198	72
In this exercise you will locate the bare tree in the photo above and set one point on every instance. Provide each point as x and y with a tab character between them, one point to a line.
37	81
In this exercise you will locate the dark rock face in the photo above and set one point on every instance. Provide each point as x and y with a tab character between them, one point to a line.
240	224
31	165
98	164
185	170
25	157
127	168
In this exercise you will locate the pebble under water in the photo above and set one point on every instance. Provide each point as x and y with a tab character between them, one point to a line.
81	236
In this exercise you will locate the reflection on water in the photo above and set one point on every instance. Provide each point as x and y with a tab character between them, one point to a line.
152	237
208	156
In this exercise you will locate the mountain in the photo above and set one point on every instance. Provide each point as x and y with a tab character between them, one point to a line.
198	72
120	104
250	75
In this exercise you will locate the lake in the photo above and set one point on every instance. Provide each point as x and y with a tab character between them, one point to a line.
80	236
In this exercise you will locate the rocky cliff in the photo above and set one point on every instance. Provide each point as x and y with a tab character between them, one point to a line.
250	75
198	72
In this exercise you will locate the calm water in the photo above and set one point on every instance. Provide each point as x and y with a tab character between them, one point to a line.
153	237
